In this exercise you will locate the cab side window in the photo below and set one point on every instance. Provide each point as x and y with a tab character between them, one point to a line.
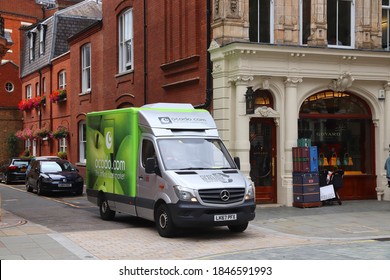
147	151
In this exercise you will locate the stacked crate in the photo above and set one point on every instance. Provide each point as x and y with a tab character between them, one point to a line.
305	159
306	189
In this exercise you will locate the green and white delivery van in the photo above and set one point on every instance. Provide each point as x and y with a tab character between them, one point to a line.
165	163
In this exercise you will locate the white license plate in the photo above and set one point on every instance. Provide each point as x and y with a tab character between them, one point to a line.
225	217
62	185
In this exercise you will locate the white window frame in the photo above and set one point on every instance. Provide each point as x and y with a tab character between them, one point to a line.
301	16
126	42
27	145
34	147
44	85
352	27
28	92
82	142
86	68
42	40
31	46
387	30
62	79
271	23
62	145
37	93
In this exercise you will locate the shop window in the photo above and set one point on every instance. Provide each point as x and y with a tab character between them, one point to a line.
340	125
263	98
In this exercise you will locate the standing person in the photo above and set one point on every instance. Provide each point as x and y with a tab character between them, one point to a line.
387	167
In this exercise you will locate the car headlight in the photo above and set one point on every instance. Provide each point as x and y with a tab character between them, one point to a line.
79	179
47	179
184	194
250	192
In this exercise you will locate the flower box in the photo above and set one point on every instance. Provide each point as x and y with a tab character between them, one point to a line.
58	95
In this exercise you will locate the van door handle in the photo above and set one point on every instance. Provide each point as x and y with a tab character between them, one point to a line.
141	178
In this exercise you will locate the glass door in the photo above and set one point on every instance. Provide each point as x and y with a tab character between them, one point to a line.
263	159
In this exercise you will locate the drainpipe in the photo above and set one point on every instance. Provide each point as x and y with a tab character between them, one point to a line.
209	77
145	56
40	109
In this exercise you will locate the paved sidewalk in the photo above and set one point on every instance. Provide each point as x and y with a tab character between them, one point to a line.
274	226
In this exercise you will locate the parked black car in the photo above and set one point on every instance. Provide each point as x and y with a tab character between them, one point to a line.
37	158
14	170
54	175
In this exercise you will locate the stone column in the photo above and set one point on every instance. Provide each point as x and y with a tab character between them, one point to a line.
241	127
291	120
387	117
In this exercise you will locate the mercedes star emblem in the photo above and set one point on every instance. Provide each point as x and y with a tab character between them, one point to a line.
224	195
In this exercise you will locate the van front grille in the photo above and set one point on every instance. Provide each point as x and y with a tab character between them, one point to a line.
222	196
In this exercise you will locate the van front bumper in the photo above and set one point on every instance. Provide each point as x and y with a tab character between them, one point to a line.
186	214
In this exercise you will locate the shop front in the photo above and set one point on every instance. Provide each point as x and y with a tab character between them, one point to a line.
341	102
340	125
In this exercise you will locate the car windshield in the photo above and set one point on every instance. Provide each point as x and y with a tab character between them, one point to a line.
194	153
56	166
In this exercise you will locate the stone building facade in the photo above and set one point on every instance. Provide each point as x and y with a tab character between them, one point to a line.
315	69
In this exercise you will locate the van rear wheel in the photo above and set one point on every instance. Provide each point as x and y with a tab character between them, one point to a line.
238	228
164	222
105	211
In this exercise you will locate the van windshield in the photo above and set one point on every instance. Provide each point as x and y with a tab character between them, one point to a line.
194	153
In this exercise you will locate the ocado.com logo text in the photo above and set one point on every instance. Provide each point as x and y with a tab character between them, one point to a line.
110	164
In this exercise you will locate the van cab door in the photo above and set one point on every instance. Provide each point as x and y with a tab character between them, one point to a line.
146	183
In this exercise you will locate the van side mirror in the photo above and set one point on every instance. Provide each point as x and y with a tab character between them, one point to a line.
237	162
152	166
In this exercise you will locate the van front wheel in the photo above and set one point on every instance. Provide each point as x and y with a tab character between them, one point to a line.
238	228
105	212
164	222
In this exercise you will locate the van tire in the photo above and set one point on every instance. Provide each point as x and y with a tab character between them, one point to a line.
238	228
105	212
164	222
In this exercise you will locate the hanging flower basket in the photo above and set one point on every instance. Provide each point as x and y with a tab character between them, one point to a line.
42	133
61	132
25	134
58	95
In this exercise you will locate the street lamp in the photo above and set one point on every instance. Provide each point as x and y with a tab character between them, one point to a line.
250	101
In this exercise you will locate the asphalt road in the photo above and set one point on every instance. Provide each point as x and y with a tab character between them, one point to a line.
269	237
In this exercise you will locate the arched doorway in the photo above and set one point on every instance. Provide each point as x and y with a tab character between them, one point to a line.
340	125
262	137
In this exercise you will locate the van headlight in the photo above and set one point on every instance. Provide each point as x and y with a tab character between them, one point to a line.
185	194
250	192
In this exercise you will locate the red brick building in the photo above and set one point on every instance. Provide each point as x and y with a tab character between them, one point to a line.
25	13
132	55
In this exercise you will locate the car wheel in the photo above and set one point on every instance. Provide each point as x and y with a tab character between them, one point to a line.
238	228
164	222
6	179
105	212
39	189
28	187
79	192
